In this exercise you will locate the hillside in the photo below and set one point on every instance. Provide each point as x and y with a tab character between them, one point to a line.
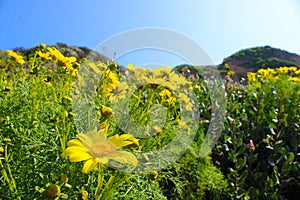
241	62
252	59
78	52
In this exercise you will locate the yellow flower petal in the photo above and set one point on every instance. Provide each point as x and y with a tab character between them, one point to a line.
123	140
75	142
77	154
89	165
56	53
71	59
124	157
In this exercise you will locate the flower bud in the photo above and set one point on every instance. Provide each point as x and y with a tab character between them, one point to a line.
106	112
153	175
43	46
113	66
52	191
6	140
70	114
2	120
64	178
53	119
7	88
83	195
67	99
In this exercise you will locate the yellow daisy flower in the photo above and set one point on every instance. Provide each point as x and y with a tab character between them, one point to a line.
251	77
130	67
56	53
292	69
230	73
107	91
162	71
17	57
94	148
180	80
119	92
165	93
294	79
168	95
68	61
46	56
283	70
112	76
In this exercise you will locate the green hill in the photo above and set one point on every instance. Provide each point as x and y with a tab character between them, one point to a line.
252	59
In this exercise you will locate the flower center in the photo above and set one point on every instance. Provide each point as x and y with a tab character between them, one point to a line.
100	149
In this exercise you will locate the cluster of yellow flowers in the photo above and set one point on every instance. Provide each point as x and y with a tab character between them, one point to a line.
167	96
165	77
112	80
99	147
268	74
69	64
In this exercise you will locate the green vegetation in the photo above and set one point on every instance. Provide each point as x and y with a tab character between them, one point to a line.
257	156
261	57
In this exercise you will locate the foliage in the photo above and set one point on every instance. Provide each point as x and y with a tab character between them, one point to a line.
259	150
263	57
257	157
38	122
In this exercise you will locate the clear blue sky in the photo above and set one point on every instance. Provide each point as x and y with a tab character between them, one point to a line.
220	27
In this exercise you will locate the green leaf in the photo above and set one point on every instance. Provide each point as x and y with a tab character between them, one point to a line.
291	157
232	155
272	125
281	133
270	182
282	109
253	192
282	150
242	149
243	177
284	119
233	172
241	162
239	142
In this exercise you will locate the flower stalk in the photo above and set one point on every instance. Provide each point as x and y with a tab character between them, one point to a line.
6	171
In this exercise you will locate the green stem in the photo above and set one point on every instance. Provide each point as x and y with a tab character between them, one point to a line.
100	181
7	173
4	174
149	103
107	189
13	182
60	139
114	182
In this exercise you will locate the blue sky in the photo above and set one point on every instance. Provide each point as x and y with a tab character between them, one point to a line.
219	27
